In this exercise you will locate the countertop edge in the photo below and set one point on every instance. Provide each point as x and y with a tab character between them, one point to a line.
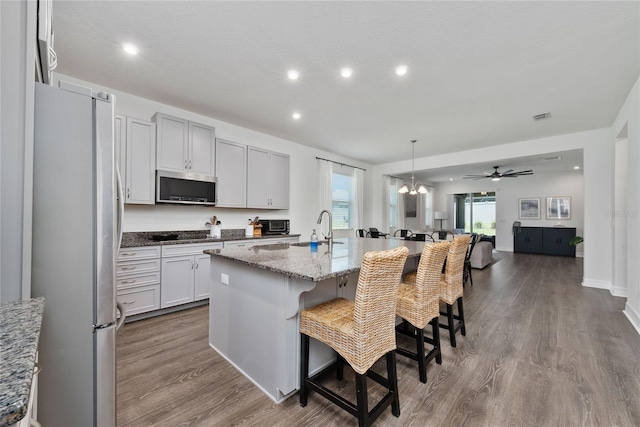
21	333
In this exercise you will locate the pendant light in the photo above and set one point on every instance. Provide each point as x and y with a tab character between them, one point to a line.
416	187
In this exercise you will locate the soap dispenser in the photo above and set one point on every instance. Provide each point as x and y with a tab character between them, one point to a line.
314	241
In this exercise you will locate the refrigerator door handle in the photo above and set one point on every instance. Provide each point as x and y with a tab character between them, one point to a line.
123	315
120	205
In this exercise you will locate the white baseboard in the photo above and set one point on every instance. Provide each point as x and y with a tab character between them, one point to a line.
504	249
598	284
579	254
617	291
633	316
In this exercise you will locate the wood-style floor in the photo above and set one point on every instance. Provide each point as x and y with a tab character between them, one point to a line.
540	350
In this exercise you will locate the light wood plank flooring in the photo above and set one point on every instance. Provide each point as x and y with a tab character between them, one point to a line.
540	350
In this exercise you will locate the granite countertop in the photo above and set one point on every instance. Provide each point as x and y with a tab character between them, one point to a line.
20	323
145	238
295	260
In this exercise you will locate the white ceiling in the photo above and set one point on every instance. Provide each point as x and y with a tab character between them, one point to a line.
478	71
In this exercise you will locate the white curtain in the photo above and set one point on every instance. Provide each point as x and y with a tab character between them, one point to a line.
324	198
386	195
400	206
358	199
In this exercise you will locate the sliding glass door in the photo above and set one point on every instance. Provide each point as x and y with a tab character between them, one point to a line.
475	213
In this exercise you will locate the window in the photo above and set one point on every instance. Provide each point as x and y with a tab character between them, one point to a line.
342	201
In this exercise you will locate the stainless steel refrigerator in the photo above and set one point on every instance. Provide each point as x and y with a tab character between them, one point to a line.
76	236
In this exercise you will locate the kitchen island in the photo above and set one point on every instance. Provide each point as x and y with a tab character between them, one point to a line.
256	296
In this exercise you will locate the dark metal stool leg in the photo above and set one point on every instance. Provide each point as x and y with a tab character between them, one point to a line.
436	339
361	398
392	377
339	367
463	330
422	368
452	331
304	368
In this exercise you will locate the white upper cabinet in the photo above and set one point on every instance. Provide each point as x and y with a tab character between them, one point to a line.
267	179
184	146
135	141
231	173
202	149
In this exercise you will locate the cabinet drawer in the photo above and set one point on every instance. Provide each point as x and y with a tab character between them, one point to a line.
241	243
139	299
143	252
134	267
138	280
190	249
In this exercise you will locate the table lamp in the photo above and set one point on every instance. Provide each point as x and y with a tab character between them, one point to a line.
441	215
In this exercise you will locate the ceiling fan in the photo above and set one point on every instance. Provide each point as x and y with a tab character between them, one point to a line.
495	176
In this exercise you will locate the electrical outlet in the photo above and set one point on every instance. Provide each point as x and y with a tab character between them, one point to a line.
224	279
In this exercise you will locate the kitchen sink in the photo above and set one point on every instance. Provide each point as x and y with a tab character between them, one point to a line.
321	242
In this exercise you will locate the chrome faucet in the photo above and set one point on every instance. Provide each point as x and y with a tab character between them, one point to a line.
329	236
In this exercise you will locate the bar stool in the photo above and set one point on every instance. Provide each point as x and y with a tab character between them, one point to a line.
361	332
419	305
451	286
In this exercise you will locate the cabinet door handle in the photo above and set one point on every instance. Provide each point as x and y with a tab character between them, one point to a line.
133	267
128	253
128	302
128	282
196	263
185	164
192	265
128	193
189	164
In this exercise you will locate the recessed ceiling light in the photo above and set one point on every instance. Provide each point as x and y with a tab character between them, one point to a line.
576	167
293	74
401	70
450	179
296	115
346	72
130	49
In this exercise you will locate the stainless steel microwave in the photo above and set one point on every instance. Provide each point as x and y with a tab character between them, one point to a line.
185	188
275	226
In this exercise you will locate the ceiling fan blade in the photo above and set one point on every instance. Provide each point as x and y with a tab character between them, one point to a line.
527	172
507	172
474	177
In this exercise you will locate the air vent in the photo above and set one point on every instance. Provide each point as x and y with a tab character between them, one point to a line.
552	158
541	116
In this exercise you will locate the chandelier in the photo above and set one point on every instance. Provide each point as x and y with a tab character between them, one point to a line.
415	187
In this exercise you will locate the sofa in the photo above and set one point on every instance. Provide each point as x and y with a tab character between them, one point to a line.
481	255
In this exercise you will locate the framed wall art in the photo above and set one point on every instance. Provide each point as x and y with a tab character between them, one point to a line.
559	207
529	208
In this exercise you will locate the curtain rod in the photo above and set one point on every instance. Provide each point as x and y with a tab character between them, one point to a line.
397	177
341	164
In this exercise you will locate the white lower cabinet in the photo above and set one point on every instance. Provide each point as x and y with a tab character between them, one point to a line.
138	279
185	273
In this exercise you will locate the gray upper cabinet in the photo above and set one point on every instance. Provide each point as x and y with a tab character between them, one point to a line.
267	179
184	146
135	144
231	168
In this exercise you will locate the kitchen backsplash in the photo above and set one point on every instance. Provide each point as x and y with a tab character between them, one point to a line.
168	217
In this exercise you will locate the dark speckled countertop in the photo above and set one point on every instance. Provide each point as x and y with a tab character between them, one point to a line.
299	261
145	238
20	323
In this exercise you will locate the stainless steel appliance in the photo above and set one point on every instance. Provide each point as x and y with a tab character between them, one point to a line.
185	188
76	234
275	226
